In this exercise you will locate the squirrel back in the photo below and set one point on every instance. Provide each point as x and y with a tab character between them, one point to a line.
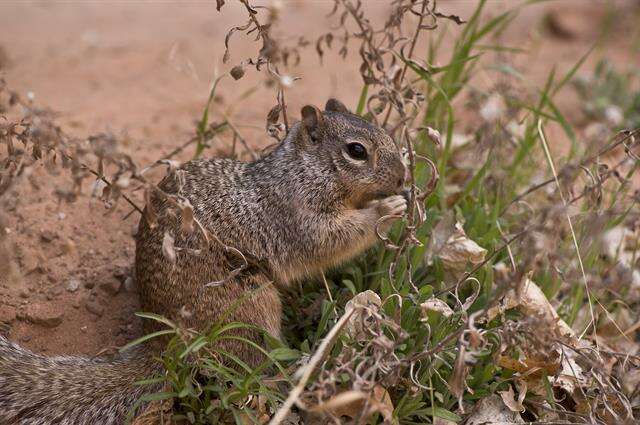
317	200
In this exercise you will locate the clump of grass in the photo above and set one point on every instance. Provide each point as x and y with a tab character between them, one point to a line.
211	385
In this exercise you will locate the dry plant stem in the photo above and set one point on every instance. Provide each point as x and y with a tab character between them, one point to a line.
349	7
193	140
622	141
252	16
414	40
545	146
306	370
283	105
326	286
242	140
103	179
410	228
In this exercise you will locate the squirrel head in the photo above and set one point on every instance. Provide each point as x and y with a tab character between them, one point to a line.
367	161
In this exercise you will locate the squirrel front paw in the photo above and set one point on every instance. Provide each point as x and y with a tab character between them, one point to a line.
394	205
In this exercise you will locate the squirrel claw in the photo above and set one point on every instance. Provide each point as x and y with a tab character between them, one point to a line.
394	205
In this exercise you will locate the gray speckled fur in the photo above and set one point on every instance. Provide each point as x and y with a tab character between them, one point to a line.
303	208
65	390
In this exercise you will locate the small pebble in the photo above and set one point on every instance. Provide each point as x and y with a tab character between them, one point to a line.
73	285
111	286
130	284
94	307
48	235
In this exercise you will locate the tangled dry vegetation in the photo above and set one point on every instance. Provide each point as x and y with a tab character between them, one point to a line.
509	293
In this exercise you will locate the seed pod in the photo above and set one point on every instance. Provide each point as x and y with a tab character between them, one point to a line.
237	72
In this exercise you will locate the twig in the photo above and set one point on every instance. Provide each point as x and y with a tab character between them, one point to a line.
103	179
305	371
326	287
242	140
547	153
195	139
584	162
414	40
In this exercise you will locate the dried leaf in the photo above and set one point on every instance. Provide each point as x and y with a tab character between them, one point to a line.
435	304
530	299
509	397
168	249
571	375
614	245
274	114
149	213
219	4
434	135
454	18
186	213
458	380
351	404
460	251
171	164
492	410
342	404
366	303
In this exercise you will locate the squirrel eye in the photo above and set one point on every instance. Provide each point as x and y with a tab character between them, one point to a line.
357	151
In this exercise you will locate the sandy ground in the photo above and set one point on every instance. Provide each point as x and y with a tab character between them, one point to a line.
142	71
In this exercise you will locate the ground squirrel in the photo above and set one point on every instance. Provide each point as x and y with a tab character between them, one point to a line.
312	203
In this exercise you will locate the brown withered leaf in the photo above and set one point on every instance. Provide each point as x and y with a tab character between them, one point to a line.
454	18
186	213
226	56
436	304
168	249
459	251
458	380
509	397
530	299
219	4
274	114
492	410
351	403
365	304
261	410
149	213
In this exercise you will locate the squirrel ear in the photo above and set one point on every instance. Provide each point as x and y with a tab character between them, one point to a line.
313	121
334	105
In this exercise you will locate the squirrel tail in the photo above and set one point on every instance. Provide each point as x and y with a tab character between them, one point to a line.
39	390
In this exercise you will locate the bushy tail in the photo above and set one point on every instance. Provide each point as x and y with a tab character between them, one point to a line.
39	390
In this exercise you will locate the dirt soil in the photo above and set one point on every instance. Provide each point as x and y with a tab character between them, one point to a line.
142	71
